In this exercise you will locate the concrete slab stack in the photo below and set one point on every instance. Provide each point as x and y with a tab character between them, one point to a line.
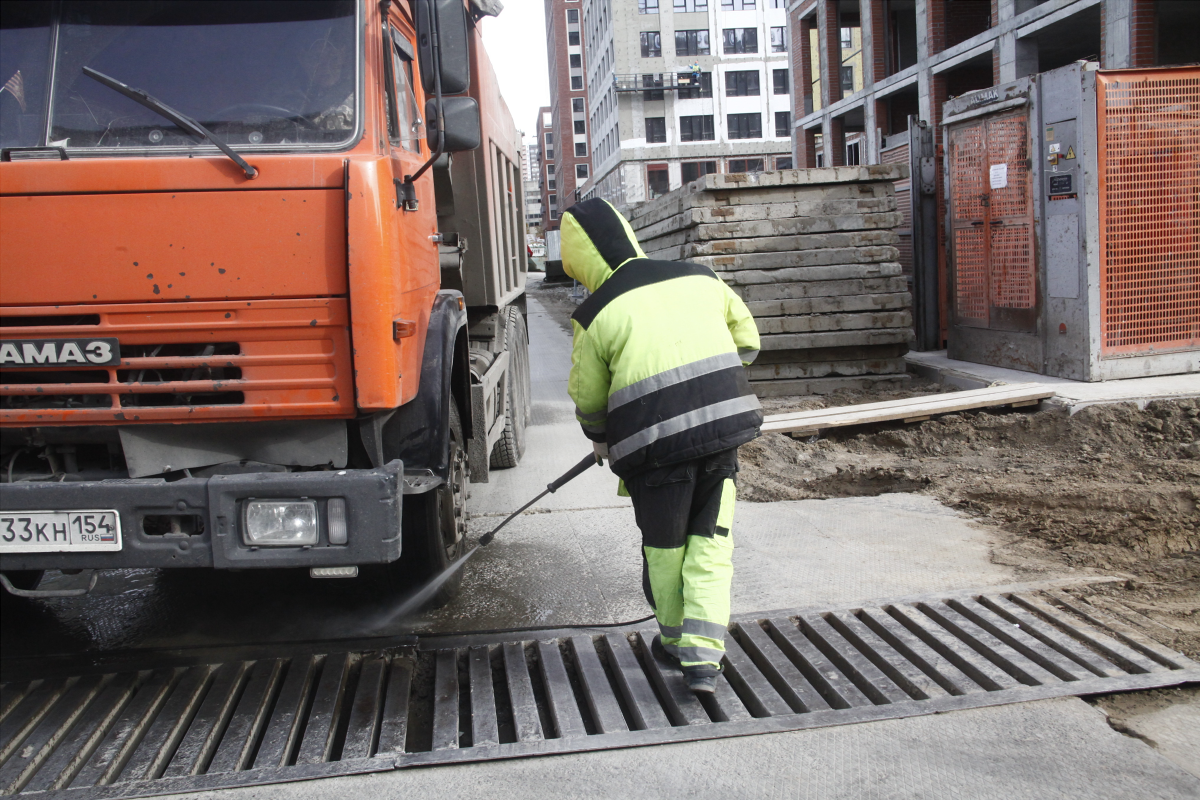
813	254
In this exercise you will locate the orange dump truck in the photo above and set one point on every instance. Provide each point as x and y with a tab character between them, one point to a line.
262	275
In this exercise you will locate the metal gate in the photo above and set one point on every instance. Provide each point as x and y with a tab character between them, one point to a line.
1149	135
993	276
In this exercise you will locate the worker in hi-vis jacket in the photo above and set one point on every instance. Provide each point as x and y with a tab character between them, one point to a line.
659	383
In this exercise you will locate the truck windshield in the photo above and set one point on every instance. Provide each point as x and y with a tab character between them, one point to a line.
260	75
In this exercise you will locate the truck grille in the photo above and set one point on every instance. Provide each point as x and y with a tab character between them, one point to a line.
219	360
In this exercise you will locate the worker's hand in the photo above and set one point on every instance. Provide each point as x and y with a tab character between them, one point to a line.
601	449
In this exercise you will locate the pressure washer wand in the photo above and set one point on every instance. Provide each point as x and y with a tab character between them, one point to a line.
571	474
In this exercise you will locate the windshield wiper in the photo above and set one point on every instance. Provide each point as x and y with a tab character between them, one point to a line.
162	109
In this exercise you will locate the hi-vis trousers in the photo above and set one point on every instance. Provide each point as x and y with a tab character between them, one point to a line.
685	513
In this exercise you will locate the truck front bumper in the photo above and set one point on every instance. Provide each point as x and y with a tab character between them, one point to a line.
373	512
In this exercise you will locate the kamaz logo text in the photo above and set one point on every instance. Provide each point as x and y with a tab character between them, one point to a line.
60	352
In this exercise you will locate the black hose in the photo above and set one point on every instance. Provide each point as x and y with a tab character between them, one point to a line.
535	628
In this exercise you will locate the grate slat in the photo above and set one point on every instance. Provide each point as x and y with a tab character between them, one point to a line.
393	730
79	744
838	690
1036	651
52	727
445	700
853	664
118	744
165	732
561	699
954	650
11	695
520	693
682	706
602	703
484	728
363	727
247	720
191	758
930	661
754	690
915	683
631	681
28	713
1129	660
286	722
987	645
326	709
1094	662
1128	634
783	675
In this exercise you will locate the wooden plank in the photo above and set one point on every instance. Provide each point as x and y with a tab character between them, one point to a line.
279	741
810	386
890	301
908	408
445	700
364	713
602	702
327	708
520	694
875	320
563	708
393	729
484	727
682	706
632	683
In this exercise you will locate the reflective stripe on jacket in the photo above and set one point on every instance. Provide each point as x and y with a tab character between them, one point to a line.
660	348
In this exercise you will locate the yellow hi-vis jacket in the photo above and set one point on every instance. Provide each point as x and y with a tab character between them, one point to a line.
660	349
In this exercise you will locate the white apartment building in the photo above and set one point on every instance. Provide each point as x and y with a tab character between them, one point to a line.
682	88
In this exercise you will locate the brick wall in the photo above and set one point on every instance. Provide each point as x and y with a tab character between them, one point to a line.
809	153
837	142
877	60
935	21
1144	34
832	67
964	19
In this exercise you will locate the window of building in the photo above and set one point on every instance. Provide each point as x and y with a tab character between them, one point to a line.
576	83
581	171
658	181
696	129
847	81
688	6
651	44
549	138
691	170
656	130
580	126
737	5
549	169
577	105
581	149
783	123
745	164
653	83
700	83
572	16
553	200
740	40
647	6
549	153
820	159
576	61
573	38
745	126
779	40
780	79
741	83
783	162
853	154
551	183
691	43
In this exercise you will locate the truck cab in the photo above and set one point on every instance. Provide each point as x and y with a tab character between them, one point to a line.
261	285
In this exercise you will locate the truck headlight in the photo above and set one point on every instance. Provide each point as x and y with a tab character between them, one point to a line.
281	523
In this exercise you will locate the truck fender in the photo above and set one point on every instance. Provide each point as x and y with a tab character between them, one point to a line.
418	433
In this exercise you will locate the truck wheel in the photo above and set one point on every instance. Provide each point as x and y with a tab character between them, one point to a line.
24	578
511	446
435	523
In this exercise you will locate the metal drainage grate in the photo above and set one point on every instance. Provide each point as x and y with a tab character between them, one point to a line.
236	723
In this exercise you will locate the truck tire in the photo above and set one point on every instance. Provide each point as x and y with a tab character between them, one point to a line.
435	524
508	450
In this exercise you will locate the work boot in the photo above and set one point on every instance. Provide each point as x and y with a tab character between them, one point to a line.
702	678
659	651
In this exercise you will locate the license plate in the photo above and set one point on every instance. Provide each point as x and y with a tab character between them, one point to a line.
59	531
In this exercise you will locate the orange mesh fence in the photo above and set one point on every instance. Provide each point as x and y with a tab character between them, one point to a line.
1149	135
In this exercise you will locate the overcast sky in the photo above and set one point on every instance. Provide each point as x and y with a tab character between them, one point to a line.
516	44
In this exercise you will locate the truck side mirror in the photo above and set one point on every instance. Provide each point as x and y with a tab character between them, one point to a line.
462	131
450	17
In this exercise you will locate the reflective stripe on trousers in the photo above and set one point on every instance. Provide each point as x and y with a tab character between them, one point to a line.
690	587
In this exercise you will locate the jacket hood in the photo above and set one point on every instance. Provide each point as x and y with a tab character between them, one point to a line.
596	240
